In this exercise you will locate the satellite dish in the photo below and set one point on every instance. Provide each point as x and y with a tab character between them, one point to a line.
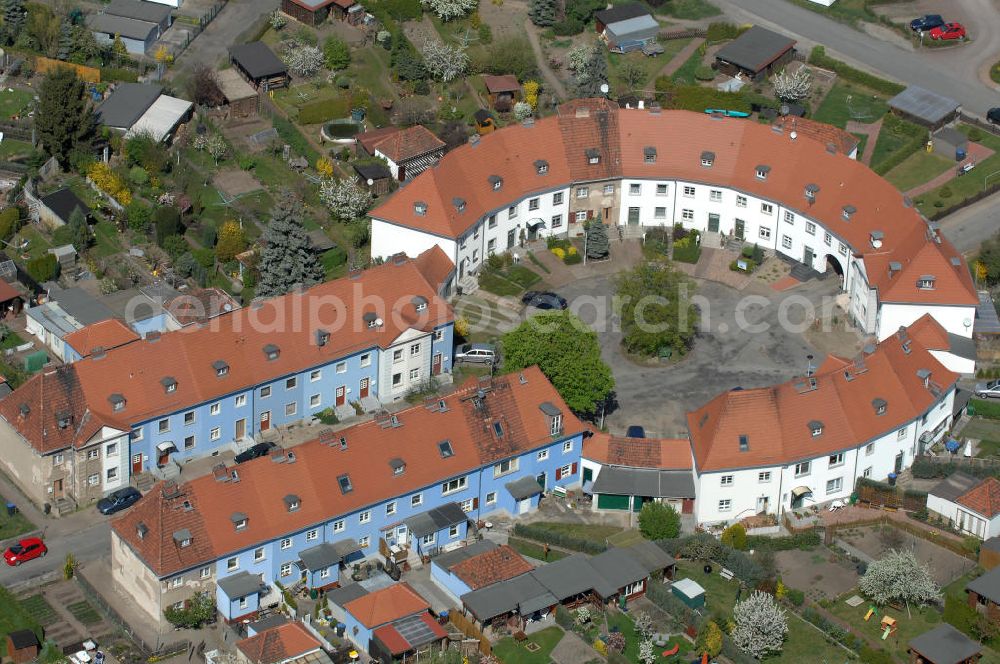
967	322
604	88
378	322
370	182
793	135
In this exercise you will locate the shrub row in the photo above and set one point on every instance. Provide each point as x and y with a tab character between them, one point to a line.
833	630
10	222
929	470
109	74
323	110
915	140
543	534
697	98
819	58
801	541
289	134
987	409
719	31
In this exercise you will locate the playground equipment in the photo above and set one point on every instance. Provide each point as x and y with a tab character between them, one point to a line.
672	651
871	612
888	626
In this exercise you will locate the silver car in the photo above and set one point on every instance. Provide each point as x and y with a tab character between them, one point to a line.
988	390
478	353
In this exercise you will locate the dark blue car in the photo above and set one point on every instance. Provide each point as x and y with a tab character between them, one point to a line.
635	431
926	23
118	500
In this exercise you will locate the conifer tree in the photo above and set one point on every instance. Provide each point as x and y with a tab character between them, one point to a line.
542	12
287	259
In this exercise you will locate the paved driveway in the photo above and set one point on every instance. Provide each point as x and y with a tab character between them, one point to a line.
212	45
724	356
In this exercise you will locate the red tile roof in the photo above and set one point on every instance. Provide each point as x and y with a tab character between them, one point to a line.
491	567
397	643
105	334
777	420
435	265
238	338
7	291
278	644
984	498
619	136
409	143
386	605
371	138
844	141
663	453
264	484
201	305
505	83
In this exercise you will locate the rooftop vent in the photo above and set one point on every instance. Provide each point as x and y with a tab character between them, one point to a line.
271	352
343	443
234	475
522	379
442	405
290	457
169	384
221	368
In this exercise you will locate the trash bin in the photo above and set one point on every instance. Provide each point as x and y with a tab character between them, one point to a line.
970	409
960	154
341	628
11	509
443	618
892	479
313	594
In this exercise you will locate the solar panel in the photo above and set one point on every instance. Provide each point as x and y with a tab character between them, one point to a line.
415	631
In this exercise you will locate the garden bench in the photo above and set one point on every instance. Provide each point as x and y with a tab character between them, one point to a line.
726	574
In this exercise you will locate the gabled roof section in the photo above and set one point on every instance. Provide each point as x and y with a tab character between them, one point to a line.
436	267
505	83
278	644
616	13
491	567
387	605
662	453
257	59
776	419
984	498
756	48
63	202
409	143
106	334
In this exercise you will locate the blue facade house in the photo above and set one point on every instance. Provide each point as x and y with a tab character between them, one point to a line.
476	566
391	623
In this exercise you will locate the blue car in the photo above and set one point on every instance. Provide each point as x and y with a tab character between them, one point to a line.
118	500
926	23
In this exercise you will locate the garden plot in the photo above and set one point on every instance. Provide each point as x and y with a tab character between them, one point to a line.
945	566
236	182
820	573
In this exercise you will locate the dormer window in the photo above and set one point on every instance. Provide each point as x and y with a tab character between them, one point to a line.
649	154
459	204
419	303
322	337
848	211
744	442
816	428
811	191
926	282
371	319
876	239
541	166
445	449
593	156
221	368
271	352
420	208
496	182
182	538
879	405
63	419
141	530
239	520
292	502
169	384
398	466
117	402
344	481
762	171
707	159
555	417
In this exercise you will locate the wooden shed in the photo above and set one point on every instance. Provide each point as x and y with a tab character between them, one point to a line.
503	91
22	646
259	65
241	97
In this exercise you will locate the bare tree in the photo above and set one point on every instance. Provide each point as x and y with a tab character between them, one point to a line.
204	87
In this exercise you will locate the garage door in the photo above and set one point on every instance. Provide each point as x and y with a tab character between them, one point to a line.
612	502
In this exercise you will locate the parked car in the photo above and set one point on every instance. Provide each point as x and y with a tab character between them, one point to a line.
476	353
993	115
25	550
254	451
988	390
544	300
948	31
635	431
118	500
927	22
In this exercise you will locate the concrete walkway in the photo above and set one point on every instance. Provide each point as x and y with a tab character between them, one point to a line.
977	153
552	82
572	650
871	131
682	56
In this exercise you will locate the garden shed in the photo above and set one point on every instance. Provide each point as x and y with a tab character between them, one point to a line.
944	645
259	65
631	34
618	13
924	107
22	646
55	209
375	177
503	91
689	592
126	104
756	53
140	10
162	118
314	12
138	36
241	97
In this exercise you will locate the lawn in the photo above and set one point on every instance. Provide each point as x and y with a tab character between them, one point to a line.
40	609
108	242
962	187
37	244
11	526
13	616
862	142
918	168
510	651
889	142
510	281
649	67
589	531
532	550
11	339
14	102
849	101
84	612
918	621
689	9
334	262
12	148
685	75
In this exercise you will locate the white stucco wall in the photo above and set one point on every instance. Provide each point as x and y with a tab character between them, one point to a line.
952	318
389	239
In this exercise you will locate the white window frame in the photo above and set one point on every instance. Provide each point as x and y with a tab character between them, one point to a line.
366	360
767	208
835	485
454	485
338	526
764	477
285	570
286	543
725	505
786	241
803	468
836	460
312	535
567	446
259	554
215	408
491	498
726	480
764	233
233	563
741	201
688	191
241	400
365	516
416	500
542	455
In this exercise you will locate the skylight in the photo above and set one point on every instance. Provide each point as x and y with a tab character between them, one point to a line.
445	448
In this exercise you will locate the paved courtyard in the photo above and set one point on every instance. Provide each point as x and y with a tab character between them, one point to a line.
945	566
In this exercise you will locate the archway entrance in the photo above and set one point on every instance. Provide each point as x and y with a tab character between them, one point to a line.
832	262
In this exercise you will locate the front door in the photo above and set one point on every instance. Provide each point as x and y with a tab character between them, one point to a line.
511	238
607	214
341	395
461	268
687	506
401	533
899	463
57	488
740	229
163	457
363	389
541	480
807	256
136	464
265	420
633	216
241	428
713	223
436	364
762	503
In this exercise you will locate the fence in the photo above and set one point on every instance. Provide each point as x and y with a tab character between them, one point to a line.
682	34
892	497
22	131
88	74
941	538
470	630
111	614
972	120
194	25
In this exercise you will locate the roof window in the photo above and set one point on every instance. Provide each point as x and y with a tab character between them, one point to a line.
63	419
322	337
419	302
398	466
117	402
459	203
445	449
271	352
811	191
239	520
744	442
847	212
345	484
876	239
926	282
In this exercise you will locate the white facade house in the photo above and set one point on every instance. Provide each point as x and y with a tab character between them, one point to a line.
968	503
768	450
641	168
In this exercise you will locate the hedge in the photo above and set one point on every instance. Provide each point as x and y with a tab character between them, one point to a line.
988	409
545	535
819	58
929	470
323	110
800	541
289	134
110	74
697	98
718	32
917	137
10	222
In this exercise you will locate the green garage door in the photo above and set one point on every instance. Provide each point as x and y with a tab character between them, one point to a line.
606	501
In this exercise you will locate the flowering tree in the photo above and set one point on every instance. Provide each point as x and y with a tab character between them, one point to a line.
616	642
522	110
761	625
590	69
304	60
646	653
898	577
531	89
443	61
346	199
277	20
643	624
217	147
449	9
792	87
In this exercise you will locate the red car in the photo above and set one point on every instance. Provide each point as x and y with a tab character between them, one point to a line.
948	31
26	549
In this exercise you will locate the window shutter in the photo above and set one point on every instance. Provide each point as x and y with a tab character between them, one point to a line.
558	474
590	214
475	503
572	471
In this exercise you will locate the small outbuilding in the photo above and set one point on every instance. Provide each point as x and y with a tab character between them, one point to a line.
22	646
924	107
314	12
618	13
944	645
241	97
140	10
259	65
502	91
689	592
55	209
631	34
162	118
138	36
756	53
375	177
